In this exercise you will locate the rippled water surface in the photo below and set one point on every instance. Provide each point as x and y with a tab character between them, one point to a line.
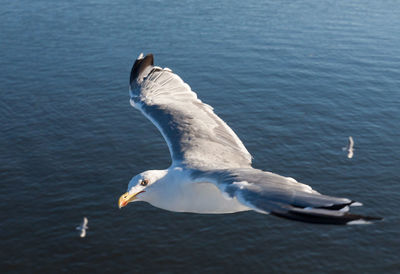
293	79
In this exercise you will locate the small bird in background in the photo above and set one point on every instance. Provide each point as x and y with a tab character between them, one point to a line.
349	148
83	227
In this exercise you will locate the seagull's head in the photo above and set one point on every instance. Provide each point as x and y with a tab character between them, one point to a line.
140	186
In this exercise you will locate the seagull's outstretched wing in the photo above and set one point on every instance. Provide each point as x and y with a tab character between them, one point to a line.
196	136
267	192
85	222
351	142
83	233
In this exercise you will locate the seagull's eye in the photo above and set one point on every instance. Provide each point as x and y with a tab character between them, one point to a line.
144	182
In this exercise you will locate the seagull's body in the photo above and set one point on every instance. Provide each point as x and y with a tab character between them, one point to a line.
189	195
211	169
83	227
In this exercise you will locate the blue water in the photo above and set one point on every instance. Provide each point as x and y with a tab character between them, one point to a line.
293	79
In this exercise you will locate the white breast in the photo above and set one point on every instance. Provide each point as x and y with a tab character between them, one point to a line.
174	194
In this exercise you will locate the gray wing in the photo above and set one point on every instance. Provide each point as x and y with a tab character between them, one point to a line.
267	192
85	222
83	233
351	142
195	135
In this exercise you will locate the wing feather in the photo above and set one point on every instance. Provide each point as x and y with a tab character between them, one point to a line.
267	192
195	135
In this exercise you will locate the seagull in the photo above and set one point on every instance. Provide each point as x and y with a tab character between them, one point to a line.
211	170
83	227
349	148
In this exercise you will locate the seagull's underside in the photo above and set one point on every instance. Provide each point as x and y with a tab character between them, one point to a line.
211	170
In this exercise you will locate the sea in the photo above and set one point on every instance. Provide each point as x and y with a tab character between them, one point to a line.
294	79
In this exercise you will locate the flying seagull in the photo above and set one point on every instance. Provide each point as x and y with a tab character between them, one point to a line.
349	148
83	227
211	169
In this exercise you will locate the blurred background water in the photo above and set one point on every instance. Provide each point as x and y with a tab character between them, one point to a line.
293	79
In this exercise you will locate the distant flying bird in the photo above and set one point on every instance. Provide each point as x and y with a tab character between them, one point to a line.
211	169
83	227
349	148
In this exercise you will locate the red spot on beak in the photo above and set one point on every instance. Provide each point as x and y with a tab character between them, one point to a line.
124	203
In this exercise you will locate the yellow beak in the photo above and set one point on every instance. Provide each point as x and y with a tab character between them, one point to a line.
126	198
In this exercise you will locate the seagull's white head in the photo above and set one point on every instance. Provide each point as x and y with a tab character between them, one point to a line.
140	184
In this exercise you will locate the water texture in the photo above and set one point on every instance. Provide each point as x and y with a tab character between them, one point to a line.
293	79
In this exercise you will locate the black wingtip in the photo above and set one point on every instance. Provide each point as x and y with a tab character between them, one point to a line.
140	65
324	217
